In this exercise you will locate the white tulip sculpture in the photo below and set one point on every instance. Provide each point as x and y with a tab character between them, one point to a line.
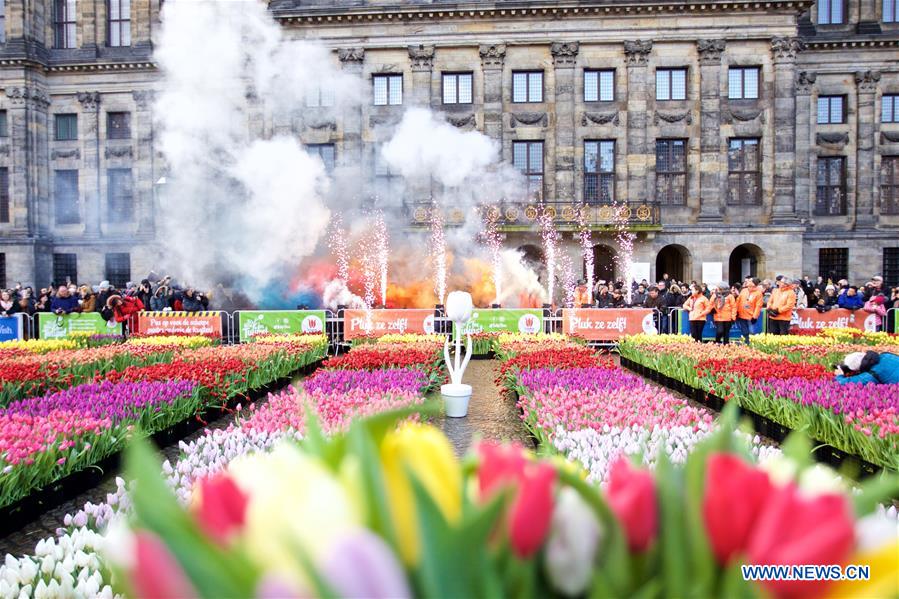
456	395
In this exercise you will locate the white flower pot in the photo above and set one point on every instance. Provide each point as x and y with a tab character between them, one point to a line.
455	400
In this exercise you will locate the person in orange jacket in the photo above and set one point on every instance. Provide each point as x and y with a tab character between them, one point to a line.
698	307
582	295
724	307
780	307
749	306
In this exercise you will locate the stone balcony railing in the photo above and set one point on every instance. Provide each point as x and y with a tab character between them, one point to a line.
566	216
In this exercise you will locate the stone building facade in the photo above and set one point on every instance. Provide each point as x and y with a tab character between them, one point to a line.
752	137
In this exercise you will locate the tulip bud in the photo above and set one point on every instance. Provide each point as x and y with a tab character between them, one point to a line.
632	496
573	540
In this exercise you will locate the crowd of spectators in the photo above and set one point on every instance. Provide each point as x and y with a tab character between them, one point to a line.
151	293
740	304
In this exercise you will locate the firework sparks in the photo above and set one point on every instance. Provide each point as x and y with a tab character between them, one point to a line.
338	246
625	240
550	237
382	249
495	243
569	279
438	252
586	238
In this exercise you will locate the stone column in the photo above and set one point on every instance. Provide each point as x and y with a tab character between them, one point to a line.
492	58
805	83
142	175
564	59
711	205
28	159
88	177
422	60
784	50
349	151
865	181
636	54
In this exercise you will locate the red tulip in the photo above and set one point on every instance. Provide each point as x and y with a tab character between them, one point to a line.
156	572
499	464
222	507
794	530
632	496
735	494
532	511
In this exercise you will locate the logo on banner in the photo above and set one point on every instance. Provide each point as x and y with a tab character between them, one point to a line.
313	324
428	325
649	325
529	323
871	323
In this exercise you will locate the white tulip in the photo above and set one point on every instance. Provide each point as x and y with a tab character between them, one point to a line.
574	537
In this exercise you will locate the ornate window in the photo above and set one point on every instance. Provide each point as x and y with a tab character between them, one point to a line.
599	86
743	83
831	12
387	90
831	198
118	270
831	110
833	263
744	172
891	11
4	195
64	15
889	109
527	86
671	84
65	269
325	152
65	193
599	171
671	171
891	266
66	126
889	185
118	125
119	195
527	156
457	88
118	26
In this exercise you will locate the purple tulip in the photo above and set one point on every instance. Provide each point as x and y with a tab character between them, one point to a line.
363	565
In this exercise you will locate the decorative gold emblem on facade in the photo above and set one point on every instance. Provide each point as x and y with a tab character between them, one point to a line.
644	212
530	212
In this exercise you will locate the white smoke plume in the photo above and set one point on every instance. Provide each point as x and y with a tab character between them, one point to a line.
239	199
337	294
518	280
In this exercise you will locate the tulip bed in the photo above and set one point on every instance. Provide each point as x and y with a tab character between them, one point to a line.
45	438
789	382
582	405
34	367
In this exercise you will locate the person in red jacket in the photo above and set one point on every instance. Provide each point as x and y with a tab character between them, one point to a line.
125	309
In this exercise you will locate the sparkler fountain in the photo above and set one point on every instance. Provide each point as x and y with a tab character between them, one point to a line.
550	237
625	240
456	396
437	247
495	243
337	244
586	249
382	245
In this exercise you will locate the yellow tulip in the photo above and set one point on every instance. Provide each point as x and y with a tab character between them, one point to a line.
884	580
426	453
295	501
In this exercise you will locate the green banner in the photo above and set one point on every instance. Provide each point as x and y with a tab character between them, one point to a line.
53	326
279	322
500	320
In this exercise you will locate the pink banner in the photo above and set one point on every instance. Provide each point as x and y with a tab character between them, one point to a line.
377	323
809	321
607	324
208	324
